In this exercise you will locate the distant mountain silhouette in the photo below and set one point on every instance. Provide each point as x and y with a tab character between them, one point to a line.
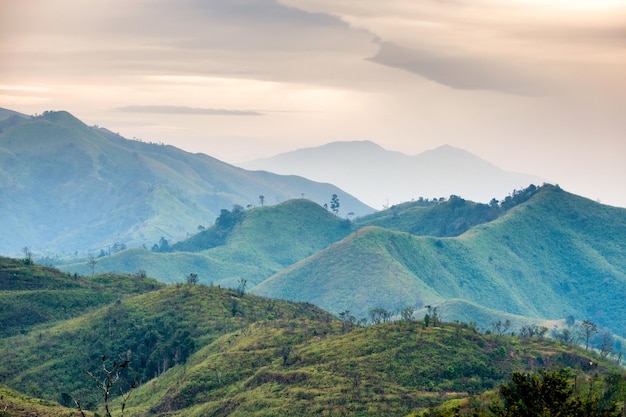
380	177
66	187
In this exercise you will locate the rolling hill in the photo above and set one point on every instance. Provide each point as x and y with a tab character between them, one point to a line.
66	187
381	178
261	242
196	350
554	255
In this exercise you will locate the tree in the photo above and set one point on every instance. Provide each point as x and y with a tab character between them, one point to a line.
92	264
334	204
380	315
28	256
241	286
192	279
407	313
164	245
606	344
106	380
587	330
501	327
547	394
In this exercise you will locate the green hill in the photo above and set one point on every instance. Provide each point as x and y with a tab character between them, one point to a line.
66	187
32	295
443	218
305	368
252	245
156	331
14	404
196	350
554	255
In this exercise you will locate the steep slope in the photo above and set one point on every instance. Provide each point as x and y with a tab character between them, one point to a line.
67	187
380	177
555	255
257	244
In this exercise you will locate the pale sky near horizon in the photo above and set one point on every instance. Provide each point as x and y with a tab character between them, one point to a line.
534	86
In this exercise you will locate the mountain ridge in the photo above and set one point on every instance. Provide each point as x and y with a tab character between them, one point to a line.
66	187
382	177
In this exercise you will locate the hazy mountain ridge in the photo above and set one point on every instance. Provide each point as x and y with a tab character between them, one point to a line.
66	186
382	178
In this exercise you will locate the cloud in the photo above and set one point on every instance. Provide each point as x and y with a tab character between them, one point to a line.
467	72
186	110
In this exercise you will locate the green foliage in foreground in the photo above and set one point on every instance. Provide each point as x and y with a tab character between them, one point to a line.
32	295
304	367
547	393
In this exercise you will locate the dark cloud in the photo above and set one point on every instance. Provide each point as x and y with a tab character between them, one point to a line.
461	72
186	110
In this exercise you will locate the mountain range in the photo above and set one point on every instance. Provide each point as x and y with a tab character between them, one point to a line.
382	178
540	255
66	187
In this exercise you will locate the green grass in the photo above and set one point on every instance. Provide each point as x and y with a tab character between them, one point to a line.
33	295
156	330
264	241
14	404
299	367
552	256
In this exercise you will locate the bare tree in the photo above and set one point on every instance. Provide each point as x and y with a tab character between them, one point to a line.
106	380
241	286
28	256
91	263
501	327
606	344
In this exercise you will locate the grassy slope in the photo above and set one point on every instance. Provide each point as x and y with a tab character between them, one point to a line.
265	241
555	255
156	330
33	295
301	368
14	404
449	218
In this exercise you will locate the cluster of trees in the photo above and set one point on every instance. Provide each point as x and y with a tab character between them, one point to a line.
586	334
552	393
116	247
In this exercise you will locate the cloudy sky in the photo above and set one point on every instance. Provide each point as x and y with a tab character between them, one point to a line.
536	86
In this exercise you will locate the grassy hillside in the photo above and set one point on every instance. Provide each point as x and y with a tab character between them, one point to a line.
14	404
252	245
32	295
554	255
67	187
306	368
197	350
155	331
